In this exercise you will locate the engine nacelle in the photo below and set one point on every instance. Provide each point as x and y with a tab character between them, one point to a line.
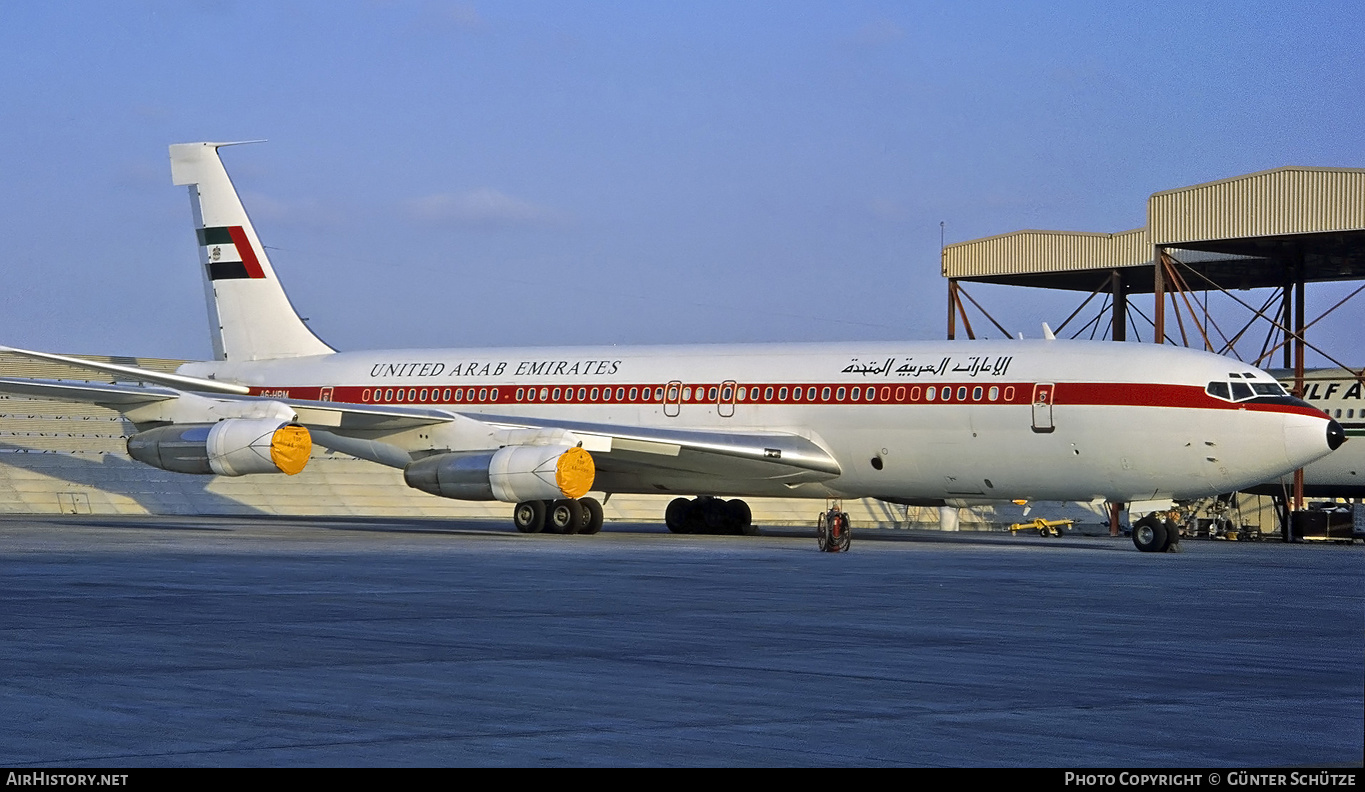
512	474
233	447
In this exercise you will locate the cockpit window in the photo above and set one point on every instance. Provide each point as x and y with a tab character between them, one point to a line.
1241	391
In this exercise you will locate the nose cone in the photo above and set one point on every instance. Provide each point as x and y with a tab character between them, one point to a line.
1310	436
1335	435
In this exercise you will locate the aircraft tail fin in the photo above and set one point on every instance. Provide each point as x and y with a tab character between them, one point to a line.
250	316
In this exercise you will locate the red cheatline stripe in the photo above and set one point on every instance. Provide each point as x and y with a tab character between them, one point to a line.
1099	394
249	260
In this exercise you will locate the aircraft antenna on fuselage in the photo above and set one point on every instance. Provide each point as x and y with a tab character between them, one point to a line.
250	316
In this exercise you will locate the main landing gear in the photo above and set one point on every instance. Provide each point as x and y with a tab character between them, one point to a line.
708	515
569	516
1156	533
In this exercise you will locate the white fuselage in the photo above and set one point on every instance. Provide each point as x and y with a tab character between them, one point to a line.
930	421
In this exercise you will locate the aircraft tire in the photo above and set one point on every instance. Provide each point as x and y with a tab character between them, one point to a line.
592	516
529	516
741	517
1149	535
564	516
676	516
715	517
1172	535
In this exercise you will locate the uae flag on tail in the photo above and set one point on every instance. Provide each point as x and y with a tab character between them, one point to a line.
229	253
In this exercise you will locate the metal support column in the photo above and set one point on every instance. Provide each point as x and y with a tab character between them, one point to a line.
1159	293
952	309
1119	291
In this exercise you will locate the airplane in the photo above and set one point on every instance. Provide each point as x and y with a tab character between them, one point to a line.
918	423
1340	394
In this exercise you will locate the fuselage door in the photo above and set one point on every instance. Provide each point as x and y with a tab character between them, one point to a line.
725	400
1042	407
673	399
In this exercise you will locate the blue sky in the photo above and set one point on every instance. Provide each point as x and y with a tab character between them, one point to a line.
498	173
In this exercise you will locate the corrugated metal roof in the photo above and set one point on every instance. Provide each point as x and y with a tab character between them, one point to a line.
1031	252
1293	200
1281	202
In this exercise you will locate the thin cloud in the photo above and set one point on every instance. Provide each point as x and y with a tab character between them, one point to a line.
483	208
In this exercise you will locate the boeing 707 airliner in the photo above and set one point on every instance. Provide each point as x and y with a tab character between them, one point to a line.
925	423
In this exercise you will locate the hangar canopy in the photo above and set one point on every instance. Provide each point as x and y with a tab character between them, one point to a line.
1263	229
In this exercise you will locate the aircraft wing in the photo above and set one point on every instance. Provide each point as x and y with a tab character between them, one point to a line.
648	458
112	395
632	457
121	397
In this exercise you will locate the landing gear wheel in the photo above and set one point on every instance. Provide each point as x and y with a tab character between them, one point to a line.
741	517
1149	534
565	516
529	516
592	516
676	516
1042	532
714	515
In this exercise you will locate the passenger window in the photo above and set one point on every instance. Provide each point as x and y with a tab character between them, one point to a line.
841	394
994	393
976	393
930	392
856	393
824	393
782	394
